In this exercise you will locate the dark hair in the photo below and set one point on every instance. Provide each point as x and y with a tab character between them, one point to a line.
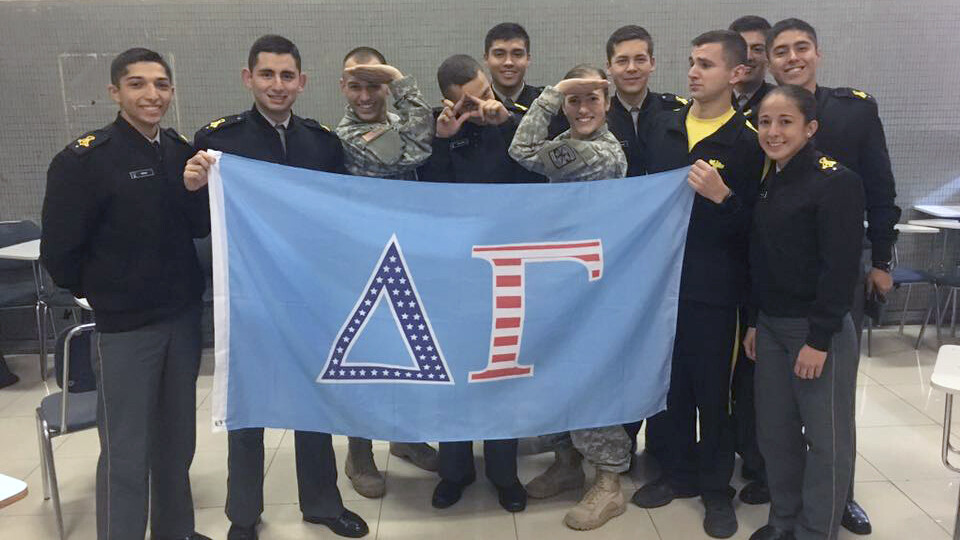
734	46
272	43
364	54
118	68
800	96
791	24
458	69
506	31
750	23
581	71
628	33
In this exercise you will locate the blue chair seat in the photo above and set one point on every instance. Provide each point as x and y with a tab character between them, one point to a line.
904	276
81	410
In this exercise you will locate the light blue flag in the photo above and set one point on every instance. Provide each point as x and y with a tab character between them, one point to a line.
413	311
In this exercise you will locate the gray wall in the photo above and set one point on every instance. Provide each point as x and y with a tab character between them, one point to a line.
54	59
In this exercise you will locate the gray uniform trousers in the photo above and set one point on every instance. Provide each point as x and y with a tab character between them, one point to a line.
147	423
804	427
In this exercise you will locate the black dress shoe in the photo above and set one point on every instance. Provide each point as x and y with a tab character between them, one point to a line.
9	381
513	498
769	532
346	524
192	536
755	492
855	519
238	532
447	493
659	493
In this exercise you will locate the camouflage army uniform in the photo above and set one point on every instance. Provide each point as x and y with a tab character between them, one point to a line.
393	148
564	159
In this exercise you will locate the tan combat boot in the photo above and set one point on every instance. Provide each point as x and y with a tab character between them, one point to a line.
602	502
420	454
362	470
565	473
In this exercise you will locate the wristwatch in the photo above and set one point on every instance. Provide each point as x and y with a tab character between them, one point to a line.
881	265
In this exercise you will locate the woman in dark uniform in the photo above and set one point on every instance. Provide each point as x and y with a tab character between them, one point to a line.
804	249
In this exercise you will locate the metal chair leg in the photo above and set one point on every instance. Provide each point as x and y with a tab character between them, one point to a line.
39	320
44	476
906	306
54	486
923	327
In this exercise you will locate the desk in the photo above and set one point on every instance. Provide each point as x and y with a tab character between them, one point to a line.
945	224
25	251
907	228
11	490
939	211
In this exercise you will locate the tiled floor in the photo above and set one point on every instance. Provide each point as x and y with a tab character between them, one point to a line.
900	480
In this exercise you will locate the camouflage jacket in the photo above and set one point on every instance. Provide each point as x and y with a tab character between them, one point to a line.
565	159
393	148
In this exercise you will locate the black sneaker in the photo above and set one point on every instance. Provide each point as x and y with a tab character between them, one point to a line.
659	493
755	492
238	532
769	532
720	521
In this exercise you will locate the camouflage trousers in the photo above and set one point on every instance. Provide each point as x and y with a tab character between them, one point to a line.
606	448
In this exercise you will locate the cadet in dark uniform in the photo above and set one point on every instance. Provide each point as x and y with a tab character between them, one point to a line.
269	131
747	96
804	254
471	149
118	229
727	167
852	133
630	63
473	133
749	92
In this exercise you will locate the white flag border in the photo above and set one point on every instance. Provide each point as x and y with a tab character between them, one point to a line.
221	295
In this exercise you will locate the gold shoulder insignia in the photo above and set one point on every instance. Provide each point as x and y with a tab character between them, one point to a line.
85	141
216	123
682	100
521	107
827	163
750	125
184	139
860	94
716	164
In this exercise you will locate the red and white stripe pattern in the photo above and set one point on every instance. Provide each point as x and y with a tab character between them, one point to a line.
508	262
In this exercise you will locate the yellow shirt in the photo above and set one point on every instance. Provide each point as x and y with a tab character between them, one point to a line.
699	129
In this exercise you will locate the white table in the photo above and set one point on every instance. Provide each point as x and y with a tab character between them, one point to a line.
945	224
11	490
940	211
908	228
24	251
946	378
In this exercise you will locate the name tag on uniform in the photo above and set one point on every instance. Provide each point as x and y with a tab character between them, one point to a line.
142	173
459	143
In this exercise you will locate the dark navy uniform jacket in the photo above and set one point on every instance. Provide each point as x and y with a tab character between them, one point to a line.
309	144
477	154
633	138
118	225
715	259
851	132
805	243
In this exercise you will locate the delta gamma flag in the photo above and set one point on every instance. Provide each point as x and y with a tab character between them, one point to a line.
415	311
